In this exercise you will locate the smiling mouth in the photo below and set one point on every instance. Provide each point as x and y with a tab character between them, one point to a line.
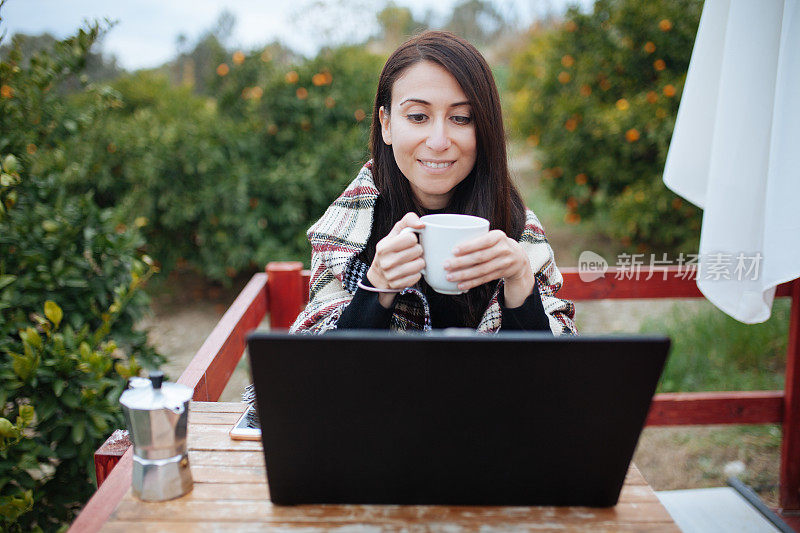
433	164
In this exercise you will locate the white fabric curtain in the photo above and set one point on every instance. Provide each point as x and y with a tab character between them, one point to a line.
735	151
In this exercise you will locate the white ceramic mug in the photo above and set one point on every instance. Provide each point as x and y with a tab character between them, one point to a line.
442	233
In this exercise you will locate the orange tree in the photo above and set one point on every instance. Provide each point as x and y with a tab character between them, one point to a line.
598	94
228	179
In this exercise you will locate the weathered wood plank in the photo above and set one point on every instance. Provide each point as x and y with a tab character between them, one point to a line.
229	491
214	491
217	407
314	527
202	437
241	458
212	418
637	494
228	474
233	510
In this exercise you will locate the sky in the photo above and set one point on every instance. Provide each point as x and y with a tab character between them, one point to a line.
146	31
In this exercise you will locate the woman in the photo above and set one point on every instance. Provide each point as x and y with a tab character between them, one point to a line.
438	146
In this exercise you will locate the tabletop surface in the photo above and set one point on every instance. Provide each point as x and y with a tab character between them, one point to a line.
230	493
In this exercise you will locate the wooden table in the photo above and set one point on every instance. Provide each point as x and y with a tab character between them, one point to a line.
230	493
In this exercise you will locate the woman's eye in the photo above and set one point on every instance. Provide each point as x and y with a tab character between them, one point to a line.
416	117
462	120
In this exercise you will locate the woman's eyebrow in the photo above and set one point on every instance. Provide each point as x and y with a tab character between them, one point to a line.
425	102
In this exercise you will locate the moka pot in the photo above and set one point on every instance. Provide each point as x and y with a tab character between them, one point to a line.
157	414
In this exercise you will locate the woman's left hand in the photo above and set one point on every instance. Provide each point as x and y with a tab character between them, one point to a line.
489	257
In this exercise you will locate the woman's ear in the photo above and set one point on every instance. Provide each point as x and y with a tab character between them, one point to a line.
386	131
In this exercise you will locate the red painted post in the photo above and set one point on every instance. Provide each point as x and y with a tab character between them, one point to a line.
109	454
790	446
284	293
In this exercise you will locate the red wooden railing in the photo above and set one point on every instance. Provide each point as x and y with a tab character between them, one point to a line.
283	290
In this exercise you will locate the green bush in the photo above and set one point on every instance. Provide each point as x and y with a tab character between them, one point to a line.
69	280
599	94
56	244
65	384
229	183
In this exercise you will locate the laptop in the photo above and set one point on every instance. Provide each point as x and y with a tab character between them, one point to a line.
517	418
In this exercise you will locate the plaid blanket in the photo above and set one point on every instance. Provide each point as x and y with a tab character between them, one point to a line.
342	233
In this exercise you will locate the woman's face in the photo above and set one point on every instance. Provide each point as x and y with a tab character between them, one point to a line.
431	132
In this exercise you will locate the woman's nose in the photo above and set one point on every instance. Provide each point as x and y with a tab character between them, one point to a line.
438	138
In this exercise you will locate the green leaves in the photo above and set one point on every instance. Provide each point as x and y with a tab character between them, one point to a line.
53	312
10	164
31	337
78	432
11	507
6	280
26	414
7	429
24	366
70	378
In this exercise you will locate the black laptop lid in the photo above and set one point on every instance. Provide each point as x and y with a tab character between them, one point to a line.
508	419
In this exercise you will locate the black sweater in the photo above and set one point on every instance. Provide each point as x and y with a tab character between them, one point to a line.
365	312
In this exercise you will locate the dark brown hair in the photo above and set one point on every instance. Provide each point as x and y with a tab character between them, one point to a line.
487	191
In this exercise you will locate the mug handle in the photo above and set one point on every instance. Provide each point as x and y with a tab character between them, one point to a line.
408	229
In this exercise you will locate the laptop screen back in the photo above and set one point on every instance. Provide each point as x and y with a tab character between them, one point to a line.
508	419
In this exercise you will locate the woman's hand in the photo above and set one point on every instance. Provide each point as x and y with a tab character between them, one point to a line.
489	257
398	259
